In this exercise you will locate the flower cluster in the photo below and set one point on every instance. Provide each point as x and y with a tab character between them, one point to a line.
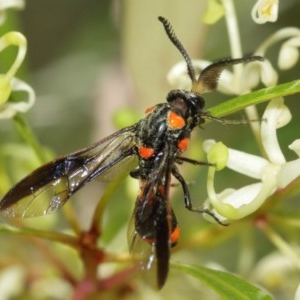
273	172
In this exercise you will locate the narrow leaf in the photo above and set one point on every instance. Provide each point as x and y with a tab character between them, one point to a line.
256	97
227	285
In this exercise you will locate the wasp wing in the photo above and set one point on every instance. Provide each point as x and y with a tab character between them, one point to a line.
143	255
50	186
154	221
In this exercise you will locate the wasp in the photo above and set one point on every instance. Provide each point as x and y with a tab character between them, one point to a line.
153	148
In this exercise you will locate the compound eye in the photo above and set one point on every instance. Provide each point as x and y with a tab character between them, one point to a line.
196	103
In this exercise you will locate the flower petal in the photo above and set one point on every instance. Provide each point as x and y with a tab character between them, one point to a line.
269	76
179	78
249	198
218	156
289	53
5	89
5	4
288	173
244	195
265	11
207	205
247	164
9	109
12	281
275	271
233	204
241	162
295	146
275	116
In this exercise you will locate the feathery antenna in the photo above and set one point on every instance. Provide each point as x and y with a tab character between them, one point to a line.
173	38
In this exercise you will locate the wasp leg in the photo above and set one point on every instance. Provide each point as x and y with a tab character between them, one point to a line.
207	115
187	199
182	159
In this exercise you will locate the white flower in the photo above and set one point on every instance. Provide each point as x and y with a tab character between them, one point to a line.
9	83
12	281
243	78
6	4
289	50
230	82
273	173
277	272
265	11
10	108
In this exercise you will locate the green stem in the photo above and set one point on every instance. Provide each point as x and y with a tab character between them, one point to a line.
233	34
96	225
71	218
282	245
47	235
29	137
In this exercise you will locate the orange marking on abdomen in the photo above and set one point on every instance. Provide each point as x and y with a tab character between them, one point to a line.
146	152
175	236
183	144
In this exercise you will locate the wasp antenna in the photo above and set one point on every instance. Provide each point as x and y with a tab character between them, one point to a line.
209	77
173	38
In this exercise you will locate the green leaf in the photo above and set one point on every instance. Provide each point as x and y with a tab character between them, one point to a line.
227	285
254	98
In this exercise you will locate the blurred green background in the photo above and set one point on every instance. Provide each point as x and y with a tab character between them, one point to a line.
88	59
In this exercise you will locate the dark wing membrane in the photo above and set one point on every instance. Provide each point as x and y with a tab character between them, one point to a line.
150	241
143	255
50	186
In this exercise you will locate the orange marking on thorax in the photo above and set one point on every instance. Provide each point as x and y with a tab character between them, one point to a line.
150	110
175	121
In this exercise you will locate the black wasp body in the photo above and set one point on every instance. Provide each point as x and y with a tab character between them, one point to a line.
161	137
153	145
